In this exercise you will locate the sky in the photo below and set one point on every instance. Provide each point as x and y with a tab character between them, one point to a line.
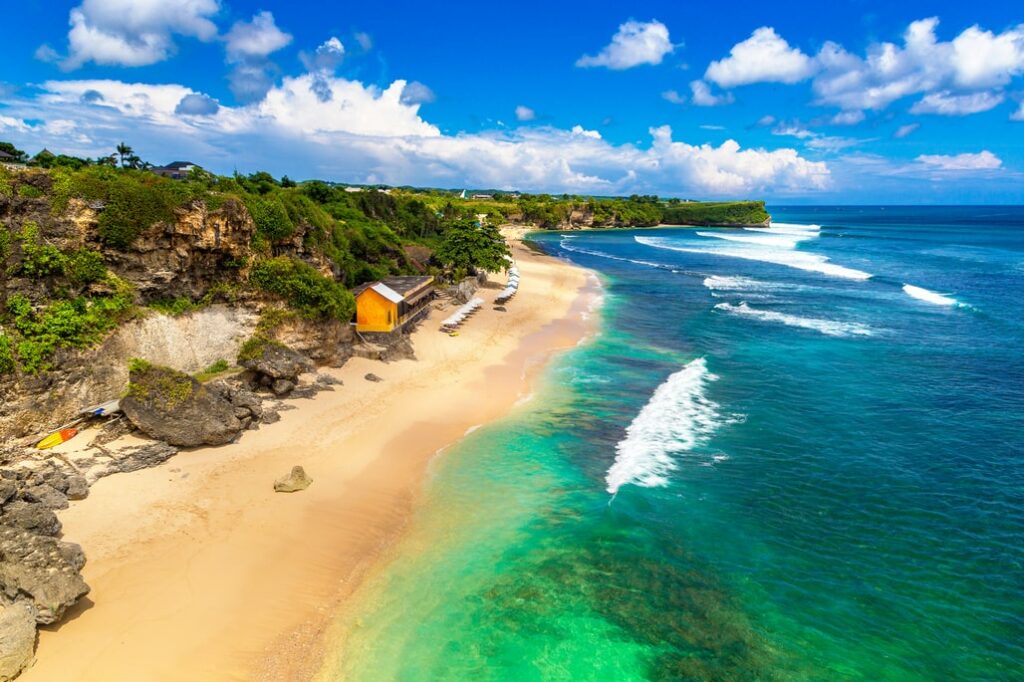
853	101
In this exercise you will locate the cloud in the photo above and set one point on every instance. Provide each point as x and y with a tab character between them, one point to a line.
703	97
365	131
327	57
194	104
971	65
525	113
905	130
417	93
984	160
847	118
91	97
673	97
249	44
364	40
946	103
764	57
45	53
794	129
1019	114
708	126
635	43
765	121
133	32
256	38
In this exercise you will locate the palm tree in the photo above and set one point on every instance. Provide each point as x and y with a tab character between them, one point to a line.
124	151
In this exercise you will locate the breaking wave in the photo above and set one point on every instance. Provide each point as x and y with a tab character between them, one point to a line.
801	260
725	283
923	294
827	327
568	246
677	418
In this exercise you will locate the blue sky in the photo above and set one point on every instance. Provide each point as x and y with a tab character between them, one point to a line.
856	101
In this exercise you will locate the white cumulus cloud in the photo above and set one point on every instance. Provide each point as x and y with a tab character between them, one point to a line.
258	37
635	43
764	57
905	130
984	160
133	32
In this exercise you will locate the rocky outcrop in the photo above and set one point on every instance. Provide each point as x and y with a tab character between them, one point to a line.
17	640
274	366
172	407
41	572
295	481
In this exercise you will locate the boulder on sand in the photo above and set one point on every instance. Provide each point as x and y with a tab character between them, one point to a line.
40	571
297	480
273	360
171	406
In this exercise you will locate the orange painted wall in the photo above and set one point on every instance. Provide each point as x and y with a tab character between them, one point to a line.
374	313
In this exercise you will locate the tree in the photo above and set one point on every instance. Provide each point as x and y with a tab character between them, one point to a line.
13	151
467	247
125	152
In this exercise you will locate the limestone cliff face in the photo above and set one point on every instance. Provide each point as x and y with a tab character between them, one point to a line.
189	343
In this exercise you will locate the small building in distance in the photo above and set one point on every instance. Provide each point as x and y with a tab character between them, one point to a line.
178	170
393	303
483	197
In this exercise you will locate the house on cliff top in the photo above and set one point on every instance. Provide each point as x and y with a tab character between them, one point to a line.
392	304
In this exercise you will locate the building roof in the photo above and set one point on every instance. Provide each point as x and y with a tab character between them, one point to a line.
396	289
5	155
176	165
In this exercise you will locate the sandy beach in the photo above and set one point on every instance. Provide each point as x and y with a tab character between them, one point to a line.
199	571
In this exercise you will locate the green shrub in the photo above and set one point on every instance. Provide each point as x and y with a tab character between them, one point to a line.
254	347
303	288
76	323
138	365
6	355
39	259
6	189
270	216
29	191
174	306
85	266
219	367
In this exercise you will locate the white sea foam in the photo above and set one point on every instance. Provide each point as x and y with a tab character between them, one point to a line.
677	418
725	283
568	246
923	294
828	327
800	260
781	236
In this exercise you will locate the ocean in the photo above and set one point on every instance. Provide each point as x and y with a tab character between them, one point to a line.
793	454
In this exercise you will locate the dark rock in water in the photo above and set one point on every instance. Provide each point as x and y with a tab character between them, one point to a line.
17	639
292	483
46	495
42	571
271	416
277	361
282	387
78	488
372	377
30	516
173	407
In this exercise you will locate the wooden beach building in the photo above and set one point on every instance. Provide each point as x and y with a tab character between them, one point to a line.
392	303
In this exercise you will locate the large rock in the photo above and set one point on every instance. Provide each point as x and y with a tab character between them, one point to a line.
17	640
274	361
32	517
42	571
173	407
297	480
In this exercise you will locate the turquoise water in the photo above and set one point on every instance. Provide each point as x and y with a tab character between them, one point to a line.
774	462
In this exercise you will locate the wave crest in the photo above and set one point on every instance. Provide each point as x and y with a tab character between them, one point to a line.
678	417
827	327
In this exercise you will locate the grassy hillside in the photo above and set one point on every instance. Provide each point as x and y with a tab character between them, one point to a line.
716	213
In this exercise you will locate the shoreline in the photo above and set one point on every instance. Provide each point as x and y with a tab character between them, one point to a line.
200	571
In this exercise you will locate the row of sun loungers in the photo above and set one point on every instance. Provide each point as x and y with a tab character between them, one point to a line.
455	320
511	288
